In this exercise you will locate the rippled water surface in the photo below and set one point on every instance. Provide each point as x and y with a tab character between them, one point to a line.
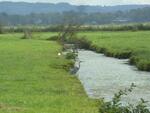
102	76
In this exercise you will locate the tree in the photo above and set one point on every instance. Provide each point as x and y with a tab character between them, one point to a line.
27	34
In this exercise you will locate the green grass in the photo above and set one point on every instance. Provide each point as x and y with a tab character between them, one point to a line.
32	78
133	45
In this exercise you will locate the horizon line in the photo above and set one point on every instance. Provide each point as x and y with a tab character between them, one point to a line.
70	3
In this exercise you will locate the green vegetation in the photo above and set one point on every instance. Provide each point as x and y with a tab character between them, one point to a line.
33	79
71	55
82	15
27	35
128	44
115	106
58	28
122	44
1	29
120	27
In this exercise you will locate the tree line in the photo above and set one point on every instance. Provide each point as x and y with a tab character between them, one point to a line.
135	15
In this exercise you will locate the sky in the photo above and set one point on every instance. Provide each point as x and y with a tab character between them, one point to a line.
90	2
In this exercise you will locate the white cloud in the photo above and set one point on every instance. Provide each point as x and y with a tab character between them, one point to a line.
91	2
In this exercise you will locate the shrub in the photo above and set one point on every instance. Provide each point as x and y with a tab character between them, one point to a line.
83	43
71	55
27	35
115	105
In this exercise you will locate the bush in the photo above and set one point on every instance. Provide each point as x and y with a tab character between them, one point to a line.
115	105
83	43
71	55
27	35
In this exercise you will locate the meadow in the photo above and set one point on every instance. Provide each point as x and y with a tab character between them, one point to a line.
134	45
33	78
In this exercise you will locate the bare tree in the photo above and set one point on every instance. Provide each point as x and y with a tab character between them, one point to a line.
27	34
68	32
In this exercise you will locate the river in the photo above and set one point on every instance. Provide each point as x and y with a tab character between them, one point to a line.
103	76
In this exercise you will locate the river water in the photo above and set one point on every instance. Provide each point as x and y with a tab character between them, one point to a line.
103	76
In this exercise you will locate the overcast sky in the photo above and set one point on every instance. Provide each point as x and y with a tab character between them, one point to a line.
91	2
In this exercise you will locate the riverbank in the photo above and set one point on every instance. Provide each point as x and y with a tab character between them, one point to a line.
33	78
122	45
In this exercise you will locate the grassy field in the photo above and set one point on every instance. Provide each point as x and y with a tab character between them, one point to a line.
127	44
32	78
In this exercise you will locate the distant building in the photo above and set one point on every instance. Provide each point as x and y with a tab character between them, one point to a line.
121	20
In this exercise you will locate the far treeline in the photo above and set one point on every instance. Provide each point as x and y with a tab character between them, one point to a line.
58	28
55	18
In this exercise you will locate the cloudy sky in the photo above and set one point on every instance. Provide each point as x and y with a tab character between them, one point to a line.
91	2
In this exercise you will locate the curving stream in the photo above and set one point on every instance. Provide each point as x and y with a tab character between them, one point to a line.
103	76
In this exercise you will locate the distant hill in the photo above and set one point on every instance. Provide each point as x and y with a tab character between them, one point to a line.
23	8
